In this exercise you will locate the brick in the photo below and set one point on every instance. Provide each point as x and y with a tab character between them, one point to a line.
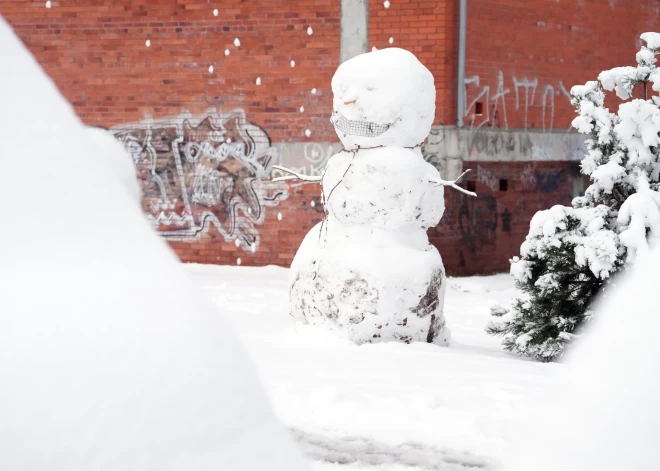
96	54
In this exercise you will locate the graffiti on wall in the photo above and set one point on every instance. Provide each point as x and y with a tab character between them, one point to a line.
195	173
522	93
487	177
477	224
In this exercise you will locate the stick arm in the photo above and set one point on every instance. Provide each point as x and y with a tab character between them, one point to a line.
452	183
294	175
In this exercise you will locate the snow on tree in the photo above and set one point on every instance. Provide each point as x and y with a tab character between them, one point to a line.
367	271
571	253
110	358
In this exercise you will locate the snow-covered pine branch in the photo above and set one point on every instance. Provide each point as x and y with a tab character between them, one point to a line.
571	253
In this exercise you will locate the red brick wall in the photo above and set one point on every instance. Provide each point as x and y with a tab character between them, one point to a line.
541	49
96	53
279	239
479	235
475	235
429	29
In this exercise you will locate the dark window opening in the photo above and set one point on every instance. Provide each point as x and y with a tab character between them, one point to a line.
479	108
504	185
471	185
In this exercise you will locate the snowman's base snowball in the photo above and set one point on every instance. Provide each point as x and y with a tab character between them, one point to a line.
370	290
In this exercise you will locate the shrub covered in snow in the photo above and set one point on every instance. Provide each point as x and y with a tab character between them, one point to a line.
571	253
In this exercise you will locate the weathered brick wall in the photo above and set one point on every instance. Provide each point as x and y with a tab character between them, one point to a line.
475	236
96	53
429	29
204	143
524	56
479	235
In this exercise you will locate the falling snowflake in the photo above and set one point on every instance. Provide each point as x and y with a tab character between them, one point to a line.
215	12
310	31
228	141
308	132
313	203
253	247
237	42
386	3
258	82
148	43
374	49
249	210
313	91
302	109
238	242
48	4
279	216
391	40
227	52
210	69
238	261
293	63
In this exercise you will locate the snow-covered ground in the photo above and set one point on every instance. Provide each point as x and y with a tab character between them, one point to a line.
385	406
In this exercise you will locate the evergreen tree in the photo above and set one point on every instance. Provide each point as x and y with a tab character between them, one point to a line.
571	253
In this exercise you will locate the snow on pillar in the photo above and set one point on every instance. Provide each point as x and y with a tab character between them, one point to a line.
354	26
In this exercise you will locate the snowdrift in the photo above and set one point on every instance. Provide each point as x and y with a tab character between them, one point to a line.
110	359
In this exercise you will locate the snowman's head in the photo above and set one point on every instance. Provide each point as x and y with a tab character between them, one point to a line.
383	98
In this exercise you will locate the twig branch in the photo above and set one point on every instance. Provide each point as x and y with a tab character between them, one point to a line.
294	175
452	183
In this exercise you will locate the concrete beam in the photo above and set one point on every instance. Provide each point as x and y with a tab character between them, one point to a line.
450	148
354	27
448	145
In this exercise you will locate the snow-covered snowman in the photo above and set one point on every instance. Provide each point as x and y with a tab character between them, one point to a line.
367	271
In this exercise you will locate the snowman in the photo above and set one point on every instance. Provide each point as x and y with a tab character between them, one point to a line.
367	271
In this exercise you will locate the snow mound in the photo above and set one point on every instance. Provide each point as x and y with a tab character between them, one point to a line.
381	98
109	357
615	367
370	285
109	151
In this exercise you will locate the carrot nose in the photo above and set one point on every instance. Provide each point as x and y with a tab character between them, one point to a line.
349	102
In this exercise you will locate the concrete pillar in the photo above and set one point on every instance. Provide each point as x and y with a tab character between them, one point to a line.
354	28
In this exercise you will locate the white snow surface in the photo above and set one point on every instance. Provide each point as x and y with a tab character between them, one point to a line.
639	218
388	91
603	413
594	246
110	358
368	271
652	40
369	284
387	406
387	187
